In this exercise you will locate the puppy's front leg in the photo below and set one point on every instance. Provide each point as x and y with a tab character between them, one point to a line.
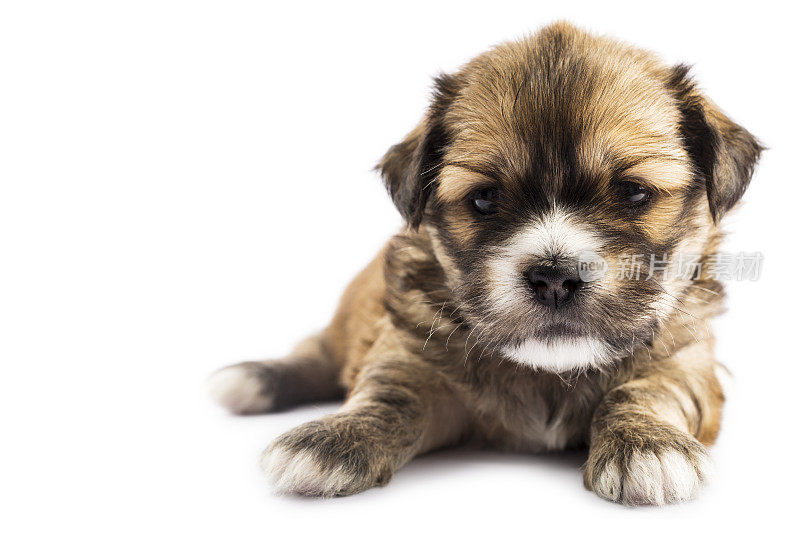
395	411
646	435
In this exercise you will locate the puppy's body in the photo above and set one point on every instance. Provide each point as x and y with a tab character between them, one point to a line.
450	334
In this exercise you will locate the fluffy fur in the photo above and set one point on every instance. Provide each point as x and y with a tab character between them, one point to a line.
445	338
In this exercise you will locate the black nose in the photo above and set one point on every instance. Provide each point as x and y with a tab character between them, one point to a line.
553	287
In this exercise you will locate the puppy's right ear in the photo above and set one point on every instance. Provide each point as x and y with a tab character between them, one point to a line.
724	153
410	168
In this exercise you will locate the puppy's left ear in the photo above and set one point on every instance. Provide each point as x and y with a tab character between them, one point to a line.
410	168
724	154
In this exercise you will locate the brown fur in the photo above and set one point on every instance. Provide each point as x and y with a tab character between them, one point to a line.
418	351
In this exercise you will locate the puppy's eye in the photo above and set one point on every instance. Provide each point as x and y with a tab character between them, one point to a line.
484	201
635	194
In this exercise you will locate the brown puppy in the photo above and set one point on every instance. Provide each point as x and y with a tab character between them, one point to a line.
477	321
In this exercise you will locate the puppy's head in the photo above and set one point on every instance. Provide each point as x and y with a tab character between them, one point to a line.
560	149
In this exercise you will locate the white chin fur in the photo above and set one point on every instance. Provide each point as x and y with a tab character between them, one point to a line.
560	355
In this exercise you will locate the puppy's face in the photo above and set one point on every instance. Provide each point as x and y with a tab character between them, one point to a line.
565	150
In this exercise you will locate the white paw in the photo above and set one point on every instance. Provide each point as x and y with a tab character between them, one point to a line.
240	389
648	478
300	472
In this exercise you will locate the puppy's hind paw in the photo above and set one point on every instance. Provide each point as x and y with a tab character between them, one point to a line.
245	388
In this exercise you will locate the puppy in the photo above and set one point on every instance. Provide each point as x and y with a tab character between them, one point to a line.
476	323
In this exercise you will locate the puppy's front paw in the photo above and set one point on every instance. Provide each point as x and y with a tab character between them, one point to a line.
641	467
329	457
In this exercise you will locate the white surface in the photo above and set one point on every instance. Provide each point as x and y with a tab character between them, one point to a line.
187	184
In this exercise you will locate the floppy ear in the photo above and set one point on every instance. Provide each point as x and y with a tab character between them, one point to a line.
723	153
410	168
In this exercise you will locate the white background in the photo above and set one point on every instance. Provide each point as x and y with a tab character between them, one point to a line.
188	184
